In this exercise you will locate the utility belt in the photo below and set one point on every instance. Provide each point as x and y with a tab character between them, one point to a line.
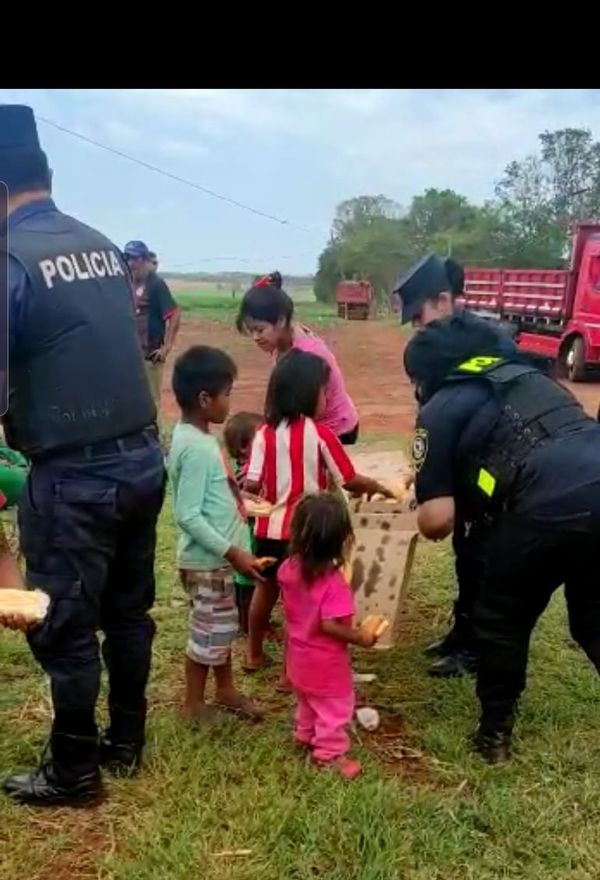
146	437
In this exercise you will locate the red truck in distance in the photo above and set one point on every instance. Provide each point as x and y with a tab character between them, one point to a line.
354	299
552	312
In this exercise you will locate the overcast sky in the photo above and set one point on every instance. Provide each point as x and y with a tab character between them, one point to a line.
290	153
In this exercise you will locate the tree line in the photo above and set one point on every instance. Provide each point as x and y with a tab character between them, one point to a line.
528	223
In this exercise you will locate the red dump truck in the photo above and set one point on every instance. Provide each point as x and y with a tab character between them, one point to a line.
354	299
552	312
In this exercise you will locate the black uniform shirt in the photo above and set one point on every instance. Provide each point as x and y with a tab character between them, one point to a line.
440	424
560	478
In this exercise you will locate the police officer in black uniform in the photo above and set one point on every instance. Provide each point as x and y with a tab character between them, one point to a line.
80	408
428	293
500	444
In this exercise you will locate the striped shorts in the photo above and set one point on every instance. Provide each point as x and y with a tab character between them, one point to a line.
214	621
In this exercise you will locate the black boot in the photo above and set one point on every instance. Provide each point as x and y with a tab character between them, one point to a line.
455	639
458	657
121	746
69	777
442	646
493	741
460	662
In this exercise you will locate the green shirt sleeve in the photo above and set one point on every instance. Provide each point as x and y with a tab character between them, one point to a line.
195	467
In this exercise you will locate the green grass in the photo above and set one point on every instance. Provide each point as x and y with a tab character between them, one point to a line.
438	814
221	306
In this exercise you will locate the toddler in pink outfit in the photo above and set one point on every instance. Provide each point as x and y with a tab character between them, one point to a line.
319	609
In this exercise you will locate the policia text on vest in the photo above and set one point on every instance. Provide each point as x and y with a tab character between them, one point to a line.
80	267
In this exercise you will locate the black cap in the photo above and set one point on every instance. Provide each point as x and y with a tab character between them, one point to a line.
426	279
440	347
23	163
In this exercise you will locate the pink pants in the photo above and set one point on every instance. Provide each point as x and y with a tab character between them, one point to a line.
321	722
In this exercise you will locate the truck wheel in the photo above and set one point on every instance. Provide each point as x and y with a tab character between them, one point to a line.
575	360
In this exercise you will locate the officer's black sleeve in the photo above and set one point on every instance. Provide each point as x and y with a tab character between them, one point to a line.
440	424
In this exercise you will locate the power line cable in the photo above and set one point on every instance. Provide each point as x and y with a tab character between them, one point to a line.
157	170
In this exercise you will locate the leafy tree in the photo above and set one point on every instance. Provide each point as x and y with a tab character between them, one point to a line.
438	212
528	224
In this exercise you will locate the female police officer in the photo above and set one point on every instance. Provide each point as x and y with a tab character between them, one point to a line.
502	445
428	293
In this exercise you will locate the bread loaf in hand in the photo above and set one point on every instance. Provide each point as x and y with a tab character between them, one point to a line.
30	606
375	625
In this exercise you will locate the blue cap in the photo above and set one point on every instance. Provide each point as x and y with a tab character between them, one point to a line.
136	249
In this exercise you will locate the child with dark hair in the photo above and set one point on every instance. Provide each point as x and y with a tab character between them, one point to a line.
266	314
319	609
238	436
293	453
213	535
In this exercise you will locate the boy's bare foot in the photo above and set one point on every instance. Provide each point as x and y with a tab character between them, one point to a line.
233	701
201	714
253	664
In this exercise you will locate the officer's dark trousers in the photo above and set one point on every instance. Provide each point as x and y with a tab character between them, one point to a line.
470	561
527	561
88	533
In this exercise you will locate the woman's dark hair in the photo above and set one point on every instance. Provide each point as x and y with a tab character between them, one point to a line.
456	277
294	387
201	368
276	279
268	303
438	349
320	530
239	432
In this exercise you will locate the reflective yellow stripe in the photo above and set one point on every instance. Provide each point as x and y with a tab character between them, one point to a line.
486	482
478	364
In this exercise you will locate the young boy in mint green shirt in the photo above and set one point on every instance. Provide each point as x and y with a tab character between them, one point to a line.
213	534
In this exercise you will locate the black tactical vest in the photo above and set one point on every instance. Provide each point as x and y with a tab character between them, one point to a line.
76	372
527	409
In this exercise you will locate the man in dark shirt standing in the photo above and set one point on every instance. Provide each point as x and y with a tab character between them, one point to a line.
157	314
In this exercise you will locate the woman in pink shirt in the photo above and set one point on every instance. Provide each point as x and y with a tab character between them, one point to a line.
266	313
319	610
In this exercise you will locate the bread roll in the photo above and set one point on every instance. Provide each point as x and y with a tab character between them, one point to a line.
375	624
257	507
266	561
31	605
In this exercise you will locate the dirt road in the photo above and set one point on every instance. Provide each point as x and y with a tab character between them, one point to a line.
370	355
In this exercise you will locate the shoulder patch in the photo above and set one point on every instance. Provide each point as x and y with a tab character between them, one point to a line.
420	447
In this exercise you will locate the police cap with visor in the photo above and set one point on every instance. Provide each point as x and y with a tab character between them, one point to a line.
23	163
423	281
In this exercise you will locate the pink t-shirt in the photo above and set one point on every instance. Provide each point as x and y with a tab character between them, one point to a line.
316	663
341	415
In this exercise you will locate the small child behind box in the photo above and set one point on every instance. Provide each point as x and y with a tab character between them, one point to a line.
238	436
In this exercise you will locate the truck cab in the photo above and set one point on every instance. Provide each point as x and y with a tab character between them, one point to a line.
551	312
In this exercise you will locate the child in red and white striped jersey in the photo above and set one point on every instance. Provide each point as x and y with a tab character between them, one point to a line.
292	454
